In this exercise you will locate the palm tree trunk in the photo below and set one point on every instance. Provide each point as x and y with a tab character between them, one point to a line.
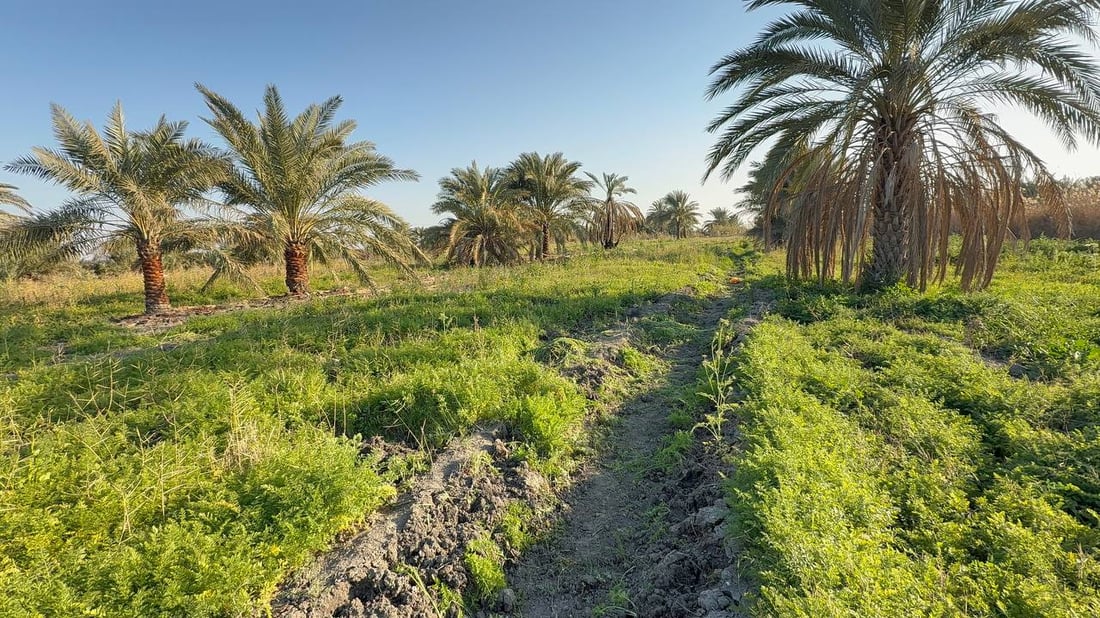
152	276
296	255
608	230
890	224
545	248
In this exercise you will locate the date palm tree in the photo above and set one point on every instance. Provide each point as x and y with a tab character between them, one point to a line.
551	190
296	183
616	216
675	213
720	219
129	187
876	113
484	226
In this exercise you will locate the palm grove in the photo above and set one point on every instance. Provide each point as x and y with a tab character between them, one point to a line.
290	188
873	117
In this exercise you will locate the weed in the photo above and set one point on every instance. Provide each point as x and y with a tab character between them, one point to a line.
484	561
516	528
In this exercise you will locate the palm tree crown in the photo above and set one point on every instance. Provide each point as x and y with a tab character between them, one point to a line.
614	216
128	187
550	188
875	112
483	226
298	181
675	213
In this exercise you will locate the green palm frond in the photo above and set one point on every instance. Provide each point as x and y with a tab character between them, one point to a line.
9	197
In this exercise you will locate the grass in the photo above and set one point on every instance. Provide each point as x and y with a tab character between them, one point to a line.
140	479
924	454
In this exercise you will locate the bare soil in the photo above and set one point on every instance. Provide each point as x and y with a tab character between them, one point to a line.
637	540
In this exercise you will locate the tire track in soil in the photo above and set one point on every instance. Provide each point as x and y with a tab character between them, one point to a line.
634	541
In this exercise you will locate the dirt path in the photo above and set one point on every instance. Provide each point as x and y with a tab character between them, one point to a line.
637	541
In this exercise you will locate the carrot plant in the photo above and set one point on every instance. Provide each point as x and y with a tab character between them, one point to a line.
924	454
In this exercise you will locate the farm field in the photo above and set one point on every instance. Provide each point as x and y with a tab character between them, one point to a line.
187	471
935	454
769	308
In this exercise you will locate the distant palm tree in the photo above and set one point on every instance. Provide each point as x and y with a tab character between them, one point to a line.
550	189
484	226
875	118
675	213
130	187
720	219
616	217
297	182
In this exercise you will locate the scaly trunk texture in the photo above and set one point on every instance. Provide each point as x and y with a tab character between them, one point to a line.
890	227
152	275
545	248
296	255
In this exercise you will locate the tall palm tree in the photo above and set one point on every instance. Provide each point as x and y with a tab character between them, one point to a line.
297	182
876	116
483	227
129	187
550	189
616	216
675	213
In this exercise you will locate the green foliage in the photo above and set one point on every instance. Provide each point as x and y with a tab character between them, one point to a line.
516	527
674	449
638	363
664	330
888	468
485	563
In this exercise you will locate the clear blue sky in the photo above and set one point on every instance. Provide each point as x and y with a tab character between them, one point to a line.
615	84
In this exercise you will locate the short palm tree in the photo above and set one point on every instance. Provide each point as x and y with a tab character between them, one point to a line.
675	213
129	187
615	216
296	182
720	219
876	116
483	227
551	190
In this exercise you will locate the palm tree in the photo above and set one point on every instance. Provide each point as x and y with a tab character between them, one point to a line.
720	219
675	213
484	226
875	116
297	182
616	216
130	187
550	188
